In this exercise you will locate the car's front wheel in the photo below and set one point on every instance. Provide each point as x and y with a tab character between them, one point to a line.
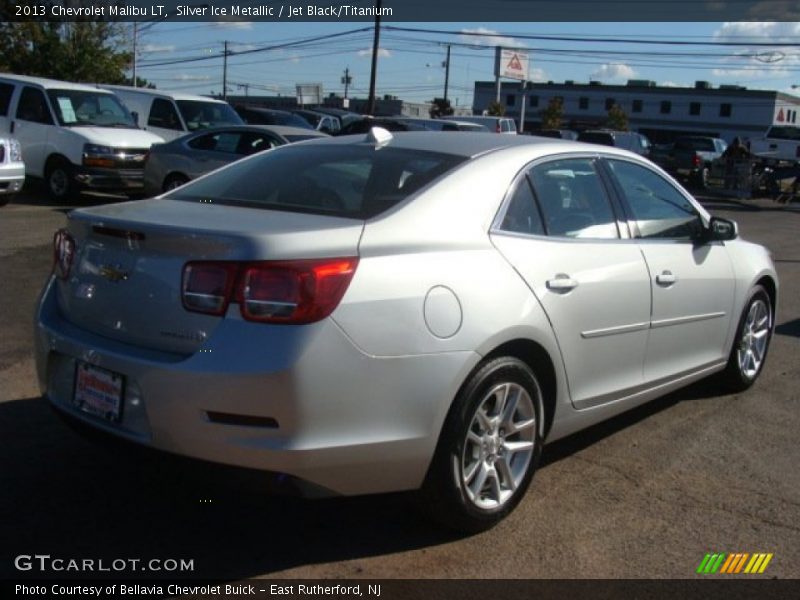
60	184
750	346
488	449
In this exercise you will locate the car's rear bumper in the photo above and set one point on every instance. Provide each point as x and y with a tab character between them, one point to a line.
317	409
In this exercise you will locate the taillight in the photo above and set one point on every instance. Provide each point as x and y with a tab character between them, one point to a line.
696	160
293	292
207	286
63	253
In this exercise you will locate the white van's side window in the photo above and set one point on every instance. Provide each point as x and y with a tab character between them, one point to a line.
33	107
6	90
163	114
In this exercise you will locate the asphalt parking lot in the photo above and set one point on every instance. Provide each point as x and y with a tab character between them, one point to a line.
647	494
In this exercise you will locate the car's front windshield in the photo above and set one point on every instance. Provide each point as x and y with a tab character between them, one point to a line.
198	114
76	108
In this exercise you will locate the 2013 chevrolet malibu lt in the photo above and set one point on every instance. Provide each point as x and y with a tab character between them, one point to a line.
388	312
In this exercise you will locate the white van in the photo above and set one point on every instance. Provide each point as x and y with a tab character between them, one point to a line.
172	114
74	136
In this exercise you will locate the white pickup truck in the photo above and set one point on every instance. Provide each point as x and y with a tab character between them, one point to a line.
782	142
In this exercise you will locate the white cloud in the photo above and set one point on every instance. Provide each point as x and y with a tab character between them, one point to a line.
614	71
537	74
232	24
758	62
382	52
489	37
187	77
674	84
158	48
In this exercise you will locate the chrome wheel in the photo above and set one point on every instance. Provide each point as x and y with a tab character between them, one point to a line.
752	344
499	446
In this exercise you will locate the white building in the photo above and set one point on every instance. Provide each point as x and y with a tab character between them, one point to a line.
659	112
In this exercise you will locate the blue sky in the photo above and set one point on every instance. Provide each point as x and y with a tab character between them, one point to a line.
410	63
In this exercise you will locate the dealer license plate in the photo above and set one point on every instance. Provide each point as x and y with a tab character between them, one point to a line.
98	391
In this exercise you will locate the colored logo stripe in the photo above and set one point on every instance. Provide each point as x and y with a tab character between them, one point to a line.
734	563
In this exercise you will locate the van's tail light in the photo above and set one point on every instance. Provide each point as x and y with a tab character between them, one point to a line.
293	292
63	253
696	160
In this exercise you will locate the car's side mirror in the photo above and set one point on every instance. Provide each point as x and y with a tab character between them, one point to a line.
722	230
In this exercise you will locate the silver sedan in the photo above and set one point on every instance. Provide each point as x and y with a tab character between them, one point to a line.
12	169
410	311
172	164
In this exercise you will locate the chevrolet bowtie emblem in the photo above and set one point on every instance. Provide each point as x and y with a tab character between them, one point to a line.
113	273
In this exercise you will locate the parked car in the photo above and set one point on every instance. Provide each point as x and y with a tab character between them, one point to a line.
172	164
343	116
561	134
320	121
365	124
627	140
401	311
12	169
690	157
76	137
173	114
256	115
780	142
496	124
447	125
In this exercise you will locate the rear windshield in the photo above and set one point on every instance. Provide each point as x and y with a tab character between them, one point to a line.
605	139
784	133
354	181
204	115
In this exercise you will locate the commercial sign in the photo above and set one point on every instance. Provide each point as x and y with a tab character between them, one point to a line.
511	63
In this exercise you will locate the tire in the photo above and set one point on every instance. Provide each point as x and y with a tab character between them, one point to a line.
488	449
173	181
750	346
60	185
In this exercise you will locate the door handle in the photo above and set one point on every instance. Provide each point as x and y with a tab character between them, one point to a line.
561	283
666	278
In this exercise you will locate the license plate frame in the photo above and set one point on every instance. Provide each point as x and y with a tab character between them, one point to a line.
98	392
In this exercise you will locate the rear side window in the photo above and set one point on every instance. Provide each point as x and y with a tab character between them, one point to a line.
604	139
573	200
332	179
522	215
6	89
164	115
234	142
33	107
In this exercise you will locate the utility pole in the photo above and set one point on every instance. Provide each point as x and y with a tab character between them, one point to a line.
346	80
135	36
446	73
375	43
225	73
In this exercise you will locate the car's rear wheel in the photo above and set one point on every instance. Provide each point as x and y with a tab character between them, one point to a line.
488	449
174	181
750	346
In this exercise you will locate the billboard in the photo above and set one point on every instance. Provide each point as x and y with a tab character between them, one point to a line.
511	63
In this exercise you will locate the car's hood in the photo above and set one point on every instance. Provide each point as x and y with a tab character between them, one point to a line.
118	137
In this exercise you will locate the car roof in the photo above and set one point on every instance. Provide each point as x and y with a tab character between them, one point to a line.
163	93
471	144
262	109
279	129
53	83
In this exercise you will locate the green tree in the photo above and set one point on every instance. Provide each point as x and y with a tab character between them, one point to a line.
83	51
617	119
441	108
495	109
553	113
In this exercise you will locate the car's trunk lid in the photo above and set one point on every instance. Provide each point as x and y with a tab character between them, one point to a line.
125	282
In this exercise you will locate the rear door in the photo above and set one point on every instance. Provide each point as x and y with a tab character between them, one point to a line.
561	233
692	280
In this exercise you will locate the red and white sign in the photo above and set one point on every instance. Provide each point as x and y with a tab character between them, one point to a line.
511	63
